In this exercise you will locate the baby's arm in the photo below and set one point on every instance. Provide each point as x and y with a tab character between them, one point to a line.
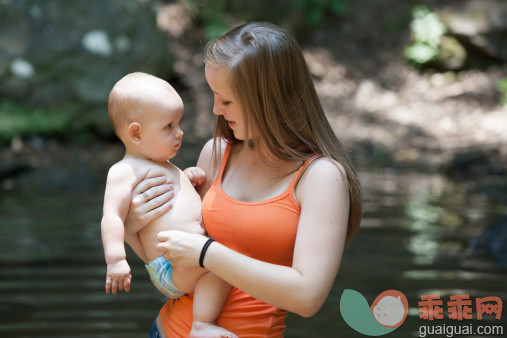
196	175
120	179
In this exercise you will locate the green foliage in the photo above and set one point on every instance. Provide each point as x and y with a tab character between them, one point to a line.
426	33
82	125
501	87
21	121
298	15
313	11
209	14
394	24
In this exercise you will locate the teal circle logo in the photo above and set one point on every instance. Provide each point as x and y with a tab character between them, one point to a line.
387	312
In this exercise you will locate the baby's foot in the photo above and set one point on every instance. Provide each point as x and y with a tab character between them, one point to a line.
209	330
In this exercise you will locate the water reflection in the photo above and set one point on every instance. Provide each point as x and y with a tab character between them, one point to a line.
414	238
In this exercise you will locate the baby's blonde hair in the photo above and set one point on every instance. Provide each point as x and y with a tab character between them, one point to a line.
126	100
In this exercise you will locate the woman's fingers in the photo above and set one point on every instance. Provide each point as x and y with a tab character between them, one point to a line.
163	246
164	235
148	205
149	183
165	251
156	191
146	191
156	212
160	200
149	210
181	248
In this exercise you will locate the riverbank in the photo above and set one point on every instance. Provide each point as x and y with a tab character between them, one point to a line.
388	114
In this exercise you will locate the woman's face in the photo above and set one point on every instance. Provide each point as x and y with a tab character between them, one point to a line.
224	102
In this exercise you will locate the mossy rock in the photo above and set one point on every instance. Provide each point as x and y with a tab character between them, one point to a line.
57	51
452	55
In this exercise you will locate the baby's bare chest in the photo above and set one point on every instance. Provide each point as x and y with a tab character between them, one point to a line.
185	212
186	204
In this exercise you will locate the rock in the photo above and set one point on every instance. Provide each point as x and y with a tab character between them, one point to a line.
493	241
12	169
452	55
475	162
479	25
60	51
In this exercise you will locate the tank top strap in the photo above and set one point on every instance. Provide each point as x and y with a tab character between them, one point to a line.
300	172
223	163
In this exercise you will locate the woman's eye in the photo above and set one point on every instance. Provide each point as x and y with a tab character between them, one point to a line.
226	103
169	126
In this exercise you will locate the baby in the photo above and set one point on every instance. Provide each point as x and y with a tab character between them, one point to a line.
145	112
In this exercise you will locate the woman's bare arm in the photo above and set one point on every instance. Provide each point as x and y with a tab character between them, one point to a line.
302	288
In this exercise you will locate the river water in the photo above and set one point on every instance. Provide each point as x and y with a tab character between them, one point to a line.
415	237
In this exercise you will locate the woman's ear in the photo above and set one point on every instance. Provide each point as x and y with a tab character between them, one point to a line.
135	131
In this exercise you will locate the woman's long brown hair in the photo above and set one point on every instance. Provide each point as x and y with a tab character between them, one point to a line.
270	78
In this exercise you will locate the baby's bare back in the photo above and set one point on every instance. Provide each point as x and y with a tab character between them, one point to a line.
185	215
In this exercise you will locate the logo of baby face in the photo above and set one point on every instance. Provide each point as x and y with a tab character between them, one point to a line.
390	308
387	312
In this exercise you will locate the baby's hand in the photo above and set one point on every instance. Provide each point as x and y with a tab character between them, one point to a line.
118	277
196	175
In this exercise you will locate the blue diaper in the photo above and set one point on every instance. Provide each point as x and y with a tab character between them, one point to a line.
161	274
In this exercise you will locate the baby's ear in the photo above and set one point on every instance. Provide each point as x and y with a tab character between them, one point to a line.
135	131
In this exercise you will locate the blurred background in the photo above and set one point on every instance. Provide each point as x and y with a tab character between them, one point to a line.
415	89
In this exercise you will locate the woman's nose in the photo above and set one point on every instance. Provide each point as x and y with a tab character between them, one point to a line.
217	109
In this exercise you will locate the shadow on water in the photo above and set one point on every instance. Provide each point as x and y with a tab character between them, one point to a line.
414	238
52	272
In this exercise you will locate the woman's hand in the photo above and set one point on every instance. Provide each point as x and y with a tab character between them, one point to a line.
183	249
151	198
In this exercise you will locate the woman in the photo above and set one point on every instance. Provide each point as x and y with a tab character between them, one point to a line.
281	198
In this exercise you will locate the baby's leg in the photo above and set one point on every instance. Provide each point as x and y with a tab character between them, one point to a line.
185	279
209	298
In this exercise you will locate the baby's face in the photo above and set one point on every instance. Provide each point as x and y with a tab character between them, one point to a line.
161	136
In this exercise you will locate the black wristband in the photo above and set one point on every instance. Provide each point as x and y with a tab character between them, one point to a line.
203	251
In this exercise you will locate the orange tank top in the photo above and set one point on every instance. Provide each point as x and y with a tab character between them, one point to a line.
264	230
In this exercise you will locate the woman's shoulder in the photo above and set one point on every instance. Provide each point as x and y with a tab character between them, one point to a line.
219	142
321	175
207	151
324	167
210	160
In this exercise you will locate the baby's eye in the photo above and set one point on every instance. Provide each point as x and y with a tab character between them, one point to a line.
169	126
